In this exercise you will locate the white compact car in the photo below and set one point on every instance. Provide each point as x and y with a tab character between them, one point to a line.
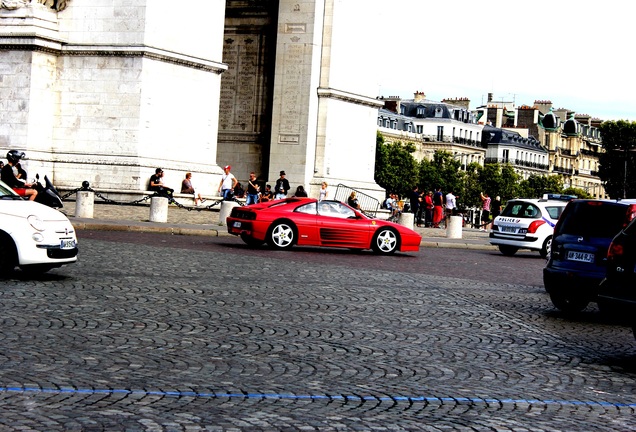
33	236
526	224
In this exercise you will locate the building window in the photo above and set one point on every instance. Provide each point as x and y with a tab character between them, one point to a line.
506	155
438	112
440	133
420	129
421	111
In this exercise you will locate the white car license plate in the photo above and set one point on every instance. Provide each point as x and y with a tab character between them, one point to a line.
580	256
237	225
67	244
508	229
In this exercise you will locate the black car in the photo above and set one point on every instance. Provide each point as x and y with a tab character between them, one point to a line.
577	262
618	289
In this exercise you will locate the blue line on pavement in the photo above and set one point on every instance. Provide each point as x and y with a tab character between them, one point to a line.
314	397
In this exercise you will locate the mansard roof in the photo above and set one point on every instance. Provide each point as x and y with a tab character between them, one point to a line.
497	136
426	108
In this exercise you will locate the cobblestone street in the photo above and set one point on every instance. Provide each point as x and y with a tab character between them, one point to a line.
138	337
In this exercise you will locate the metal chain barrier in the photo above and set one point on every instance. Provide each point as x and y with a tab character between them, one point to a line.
171	200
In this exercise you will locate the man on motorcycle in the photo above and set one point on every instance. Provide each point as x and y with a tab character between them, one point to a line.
13	180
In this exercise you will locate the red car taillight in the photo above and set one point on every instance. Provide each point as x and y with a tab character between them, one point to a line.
615	250
631	214
534	226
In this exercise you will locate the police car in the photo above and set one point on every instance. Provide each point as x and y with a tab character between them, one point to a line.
34	237
528	224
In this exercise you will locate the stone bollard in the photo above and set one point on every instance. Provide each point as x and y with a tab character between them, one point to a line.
84	203
407	220
158	209
454	228
226	209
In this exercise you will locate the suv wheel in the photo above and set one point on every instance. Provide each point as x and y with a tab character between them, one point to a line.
508	250
568	304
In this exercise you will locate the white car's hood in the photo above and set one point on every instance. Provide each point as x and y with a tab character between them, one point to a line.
24	208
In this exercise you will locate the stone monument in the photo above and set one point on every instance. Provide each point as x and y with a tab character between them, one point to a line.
108	91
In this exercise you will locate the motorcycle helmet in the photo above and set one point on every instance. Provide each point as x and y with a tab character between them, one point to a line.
14	156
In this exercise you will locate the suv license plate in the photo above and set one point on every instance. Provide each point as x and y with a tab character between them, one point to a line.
580	256
237	225
67	244
508	229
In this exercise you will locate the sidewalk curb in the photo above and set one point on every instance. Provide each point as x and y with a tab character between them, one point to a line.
97	226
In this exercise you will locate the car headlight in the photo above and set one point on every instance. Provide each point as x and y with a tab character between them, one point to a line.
36	223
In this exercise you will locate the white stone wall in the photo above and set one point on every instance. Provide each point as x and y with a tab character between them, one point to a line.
15	67
129	85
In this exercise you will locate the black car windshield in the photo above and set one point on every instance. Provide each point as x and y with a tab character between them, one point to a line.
592	219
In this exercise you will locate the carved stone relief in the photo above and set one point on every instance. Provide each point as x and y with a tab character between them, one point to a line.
58	5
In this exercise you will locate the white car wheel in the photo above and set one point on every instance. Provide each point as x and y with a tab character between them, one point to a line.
385	241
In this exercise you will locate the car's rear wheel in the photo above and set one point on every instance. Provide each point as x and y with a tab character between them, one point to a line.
385	241
8	254
508	250
567	303
546	249
250	241
282	235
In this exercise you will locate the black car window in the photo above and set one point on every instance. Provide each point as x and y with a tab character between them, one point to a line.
307	208
592	219
521	209
335	209
555	212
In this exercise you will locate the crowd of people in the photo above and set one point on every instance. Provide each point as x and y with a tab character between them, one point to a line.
433	208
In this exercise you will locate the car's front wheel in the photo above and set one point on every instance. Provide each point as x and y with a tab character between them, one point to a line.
385	241
282	235
568	303
508	250
8	254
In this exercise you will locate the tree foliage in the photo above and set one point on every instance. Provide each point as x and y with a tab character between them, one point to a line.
617	167
396	170
535	186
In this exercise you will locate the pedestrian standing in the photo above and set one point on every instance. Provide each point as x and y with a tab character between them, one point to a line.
485	211
253	190
282	186
227	184
438	209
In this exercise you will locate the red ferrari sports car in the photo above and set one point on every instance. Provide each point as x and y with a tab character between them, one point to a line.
308	222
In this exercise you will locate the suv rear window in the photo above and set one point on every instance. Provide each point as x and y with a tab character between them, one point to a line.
592	219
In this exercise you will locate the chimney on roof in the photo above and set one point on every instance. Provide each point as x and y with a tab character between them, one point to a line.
392	103
419	96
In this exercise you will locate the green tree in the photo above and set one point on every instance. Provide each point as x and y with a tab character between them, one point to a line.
535	186
617	165
396	170
578	192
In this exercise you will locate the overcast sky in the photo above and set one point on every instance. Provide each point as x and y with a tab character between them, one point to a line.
577	54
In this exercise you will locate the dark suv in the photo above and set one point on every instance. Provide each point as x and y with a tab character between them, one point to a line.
618	289
578	258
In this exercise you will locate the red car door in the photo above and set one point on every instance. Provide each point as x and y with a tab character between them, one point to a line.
341	227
